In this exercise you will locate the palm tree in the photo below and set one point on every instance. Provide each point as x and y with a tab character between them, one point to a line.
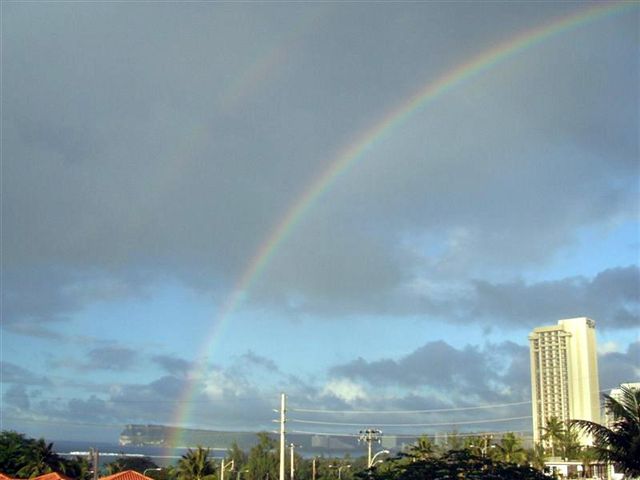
536	456
553	433
195	464
510	449
423	449
40	459
81	468
454	440
569	443
587	455
13	447
263	461
619	443
236	455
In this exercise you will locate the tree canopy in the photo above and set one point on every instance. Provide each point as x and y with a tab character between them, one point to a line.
458	464
27	457
263	462
618	443
195	464
139	464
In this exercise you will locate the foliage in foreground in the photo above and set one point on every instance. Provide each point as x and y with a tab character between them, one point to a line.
456	464
24	457
138	464
196	465
620	443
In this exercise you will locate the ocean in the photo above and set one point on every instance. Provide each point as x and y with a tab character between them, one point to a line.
109	452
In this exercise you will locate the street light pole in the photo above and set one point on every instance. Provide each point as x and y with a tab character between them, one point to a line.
223	467
484	448
292	447
340	467
150	469
373	459
240	472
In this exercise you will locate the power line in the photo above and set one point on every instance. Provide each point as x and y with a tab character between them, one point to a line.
94	397
404	435
409	412
300	410
467	422
435	410
65	422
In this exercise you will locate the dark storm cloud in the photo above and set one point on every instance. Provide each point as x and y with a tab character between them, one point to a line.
611	297
12	373
114	405
173	365
126	165
36	300
92	408
489	373
17	396
168	387
121	169
619	367
474	375
111	358
159	402
35	297
252	358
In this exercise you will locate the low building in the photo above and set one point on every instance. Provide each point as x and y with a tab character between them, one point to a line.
574	469
126	475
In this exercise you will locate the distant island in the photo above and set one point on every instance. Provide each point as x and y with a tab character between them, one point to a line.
164	436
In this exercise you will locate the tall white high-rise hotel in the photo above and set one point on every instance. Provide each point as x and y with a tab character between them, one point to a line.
564	373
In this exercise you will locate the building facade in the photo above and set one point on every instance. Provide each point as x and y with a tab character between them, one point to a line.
564	374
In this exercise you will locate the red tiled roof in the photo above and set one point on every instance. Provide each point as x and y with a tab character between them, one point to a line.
52	476
5	477
127	475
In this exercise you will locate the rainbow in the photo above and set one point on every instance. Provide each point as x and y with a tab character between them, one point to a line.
260	71
348	157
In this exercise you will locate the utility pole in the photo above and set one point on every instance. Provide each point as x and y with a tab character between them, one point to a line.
313	468
95	460
283	419
369	436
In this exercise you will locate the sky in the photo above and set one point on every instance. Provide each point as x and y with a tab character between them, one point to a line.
205	205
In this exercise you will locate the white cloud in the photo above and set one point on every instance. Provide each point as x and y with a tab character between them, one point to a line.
608	347
218	385
346	390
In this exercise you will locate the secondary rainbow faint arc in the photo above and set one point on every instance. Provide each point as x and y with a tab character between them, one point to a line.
350	155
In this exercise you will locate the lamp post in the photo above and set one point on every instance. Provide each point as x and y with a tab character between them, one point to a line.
292	446
150	470
223	467
485	445
240	472
373	459
340	467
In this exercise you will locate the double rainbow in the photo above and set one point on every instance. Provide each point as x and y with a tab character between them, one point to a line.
354	152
